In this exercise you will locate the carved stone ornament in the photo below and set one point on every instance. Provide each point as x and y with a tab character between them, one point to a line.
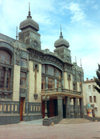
34	66
35	96
17	54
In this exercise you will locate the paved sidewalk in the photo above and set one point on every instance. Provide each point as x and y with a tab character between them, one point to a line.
29	130
34	122
74	121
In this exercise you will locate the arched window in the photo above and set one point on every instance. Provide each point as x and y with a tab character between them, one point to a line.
5	70
51	77
5	57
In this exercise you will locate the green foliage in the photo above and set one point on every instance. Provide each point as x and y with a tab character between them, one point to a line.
97	80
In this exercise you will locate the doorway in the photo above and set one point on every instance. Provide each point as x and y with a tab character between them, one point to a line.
64	108
22	100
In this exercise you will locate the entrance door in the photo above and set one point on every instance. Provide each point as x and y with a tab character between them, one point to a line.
21	108
64	109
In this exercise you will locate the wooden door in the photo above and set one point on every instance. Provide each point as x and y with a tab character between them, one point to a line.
21	108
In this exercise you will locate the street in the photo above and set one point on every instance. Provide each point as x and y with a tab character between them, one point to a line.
66	129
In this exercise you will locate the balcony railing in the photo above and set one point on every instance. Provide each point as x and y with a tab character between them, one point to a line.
60	90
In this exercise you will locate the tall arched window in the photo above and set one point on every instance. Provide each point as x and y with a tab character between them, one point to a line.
5	70
5	57
51	77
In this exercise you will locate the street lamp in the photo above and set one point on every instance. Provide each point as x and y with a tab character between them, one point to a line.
46	98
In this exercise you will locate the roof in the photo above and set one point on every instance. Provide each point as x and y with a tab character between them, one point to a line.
61	42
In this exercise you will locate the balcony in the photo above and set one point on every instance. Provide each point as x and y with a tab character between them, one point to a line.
60	91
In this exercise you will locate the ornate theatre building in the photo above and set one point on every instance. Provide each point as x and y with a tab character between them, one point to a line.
35	83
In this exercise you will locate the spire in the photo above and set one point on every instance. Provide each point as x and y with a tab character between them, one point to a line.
75	60
61	36
16	33
29	12
80	63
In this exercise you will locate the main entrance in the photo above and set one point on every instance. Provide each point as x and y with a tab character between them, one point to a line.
22	100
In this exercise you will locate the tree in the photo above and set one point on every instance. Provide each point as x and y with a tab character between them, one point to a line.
97	80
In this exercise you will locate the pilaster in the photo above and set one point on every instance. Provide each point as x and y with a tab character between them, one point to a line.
16	83
68	107
60	106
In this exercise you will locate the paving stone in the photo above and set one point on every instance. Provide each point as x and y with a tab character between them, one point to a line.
34	130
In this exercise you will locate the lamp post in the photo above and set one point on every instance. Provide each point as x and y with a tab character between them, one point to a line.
46	98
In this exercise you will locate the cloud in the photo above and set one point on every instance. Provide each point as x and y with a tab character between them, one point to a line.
77	12
74	15
15	11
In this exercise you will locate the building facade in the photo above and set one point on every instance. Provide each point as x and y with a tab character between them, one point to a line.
91	97
35	81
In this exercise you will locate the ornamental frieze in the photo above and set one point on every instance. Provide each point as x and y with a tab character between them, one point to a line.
39	56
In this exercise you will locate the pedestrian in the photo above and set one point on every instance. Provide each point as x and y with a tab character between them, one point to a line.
93	114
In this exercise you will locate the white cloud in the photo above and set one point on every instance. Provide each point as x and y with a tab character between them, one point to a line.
15	11
83	35
77	12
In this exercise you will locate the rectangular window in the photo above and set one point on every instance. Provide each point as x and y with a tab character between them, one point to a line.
2	77
50	70
90	98
95	99
43	68
43	83
93	88
8	79
23	80
74	86
50	83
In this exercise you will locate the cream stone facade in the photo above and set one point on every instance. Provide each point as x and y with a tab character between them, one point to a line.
91	97
16	83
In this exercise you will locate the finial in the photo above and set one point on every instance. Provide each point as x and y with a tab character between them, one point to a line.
61	36
29	12
16	33
75	60
80	63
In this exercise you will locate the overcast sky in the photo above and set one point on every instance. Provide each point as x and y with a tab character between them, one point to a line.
80	20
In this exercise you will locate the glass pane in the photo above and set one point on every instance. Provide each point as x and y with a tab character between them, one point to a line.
23	79
50	70
2	76
43	83
50	83
43	68
5	57
8	79
57	73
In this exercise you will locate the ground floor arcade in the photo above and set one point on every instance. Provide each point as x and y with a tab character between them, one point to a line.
63	106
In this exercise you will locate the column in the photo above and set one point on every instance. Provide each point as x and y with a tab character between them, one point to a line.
16	83
60	106
46	83
81	108
75	107
68	107
55	81
62	81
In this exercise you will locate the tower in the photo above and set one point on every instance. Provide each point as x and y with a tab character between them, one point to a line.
62	46
29	32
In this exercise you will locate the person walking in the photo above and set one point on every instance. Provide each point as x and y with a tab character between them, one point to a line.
93	114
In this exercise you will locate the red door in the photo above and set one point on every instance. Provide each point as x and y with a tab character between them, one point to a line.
21	108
